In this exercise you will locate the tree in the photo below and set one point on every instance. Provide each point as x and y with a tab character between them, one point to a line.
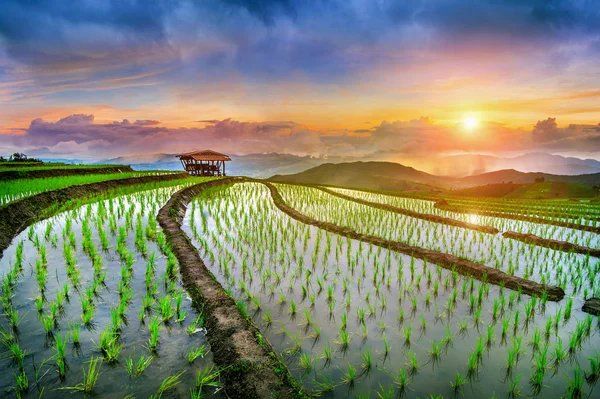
540	179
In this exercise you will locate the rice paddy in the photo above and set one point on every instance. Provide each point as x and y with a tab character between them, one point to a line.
93	303
12	190
547	231
356	320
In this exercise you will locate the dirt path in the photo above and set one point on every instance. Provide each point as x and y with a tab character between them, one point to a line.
527	238
72	171
251	370
18	215
450	262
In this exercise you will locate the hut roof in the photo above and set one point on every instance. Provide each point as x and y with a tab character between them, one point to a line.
204	155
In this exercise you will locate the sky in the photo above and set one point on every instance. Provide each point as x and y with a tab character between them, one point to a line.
108	78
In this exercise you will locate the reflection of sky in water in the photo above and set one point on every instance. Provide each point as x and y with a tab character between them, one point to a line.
262	246
579	237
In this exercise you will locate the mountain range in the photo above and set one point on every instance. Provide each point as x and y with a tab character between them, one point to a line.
393	176
265	165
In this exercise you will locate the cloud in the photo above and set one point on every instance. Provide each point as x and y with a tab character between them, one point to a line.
80	136
546	134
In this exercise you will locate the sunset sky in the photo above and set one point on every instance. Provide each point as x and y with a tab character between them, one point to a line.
351	77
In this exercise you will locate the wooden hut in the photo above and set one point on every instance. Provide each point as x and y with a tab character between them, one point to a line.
204	163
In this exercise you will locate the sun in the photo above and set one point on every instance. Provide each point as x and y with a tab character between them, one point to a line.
470	122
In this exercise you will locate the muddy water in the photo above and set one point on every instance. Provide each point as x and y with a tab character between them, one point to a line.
114	380
249	245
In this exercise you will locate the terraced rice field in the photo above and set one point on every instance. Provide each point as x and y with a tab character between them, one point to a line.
94	300
12	190
93	303
548	231
354	319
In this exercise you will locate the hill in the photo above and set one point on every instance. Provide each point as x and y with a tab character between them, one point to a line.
545	190
514	176
371	175
394	176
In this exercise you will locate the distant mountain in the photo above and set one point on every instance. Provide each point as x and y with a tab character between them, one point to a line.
548	189
514	176
473	164
394	176
253	165
370	175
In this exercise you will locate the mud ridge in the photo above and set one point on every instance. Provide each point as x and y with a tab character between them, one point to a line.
447	261
55	172
18	215
251	370
526	238
552	244
418	215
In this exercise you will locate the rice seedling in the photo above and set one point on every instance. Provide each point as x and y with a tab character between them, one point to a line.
90	377
349	377
413	364
305	362
575	384
458	383
195	353
208	377
514	388
168	384
135	369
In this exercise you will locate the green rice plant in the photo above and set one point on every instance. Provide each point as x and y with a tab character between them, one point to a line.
575	384
324	387
17	354
208	377
48	324
39	304
305	362
568	309
350	376
343	339
386	346
401	381
559	353
195	353
61	350
135	369
413	364
168	384
90	377
292	309
197	323
164	306
268	318
367	360
154	328
514	388
407	335
459	382
21	383
472	364
327	353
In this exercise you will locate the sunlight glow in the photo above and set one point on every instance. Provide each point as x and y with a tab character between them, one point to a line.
470	122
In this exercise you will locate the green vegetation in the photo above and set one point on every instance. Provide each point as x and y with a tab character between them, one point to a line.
12	190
